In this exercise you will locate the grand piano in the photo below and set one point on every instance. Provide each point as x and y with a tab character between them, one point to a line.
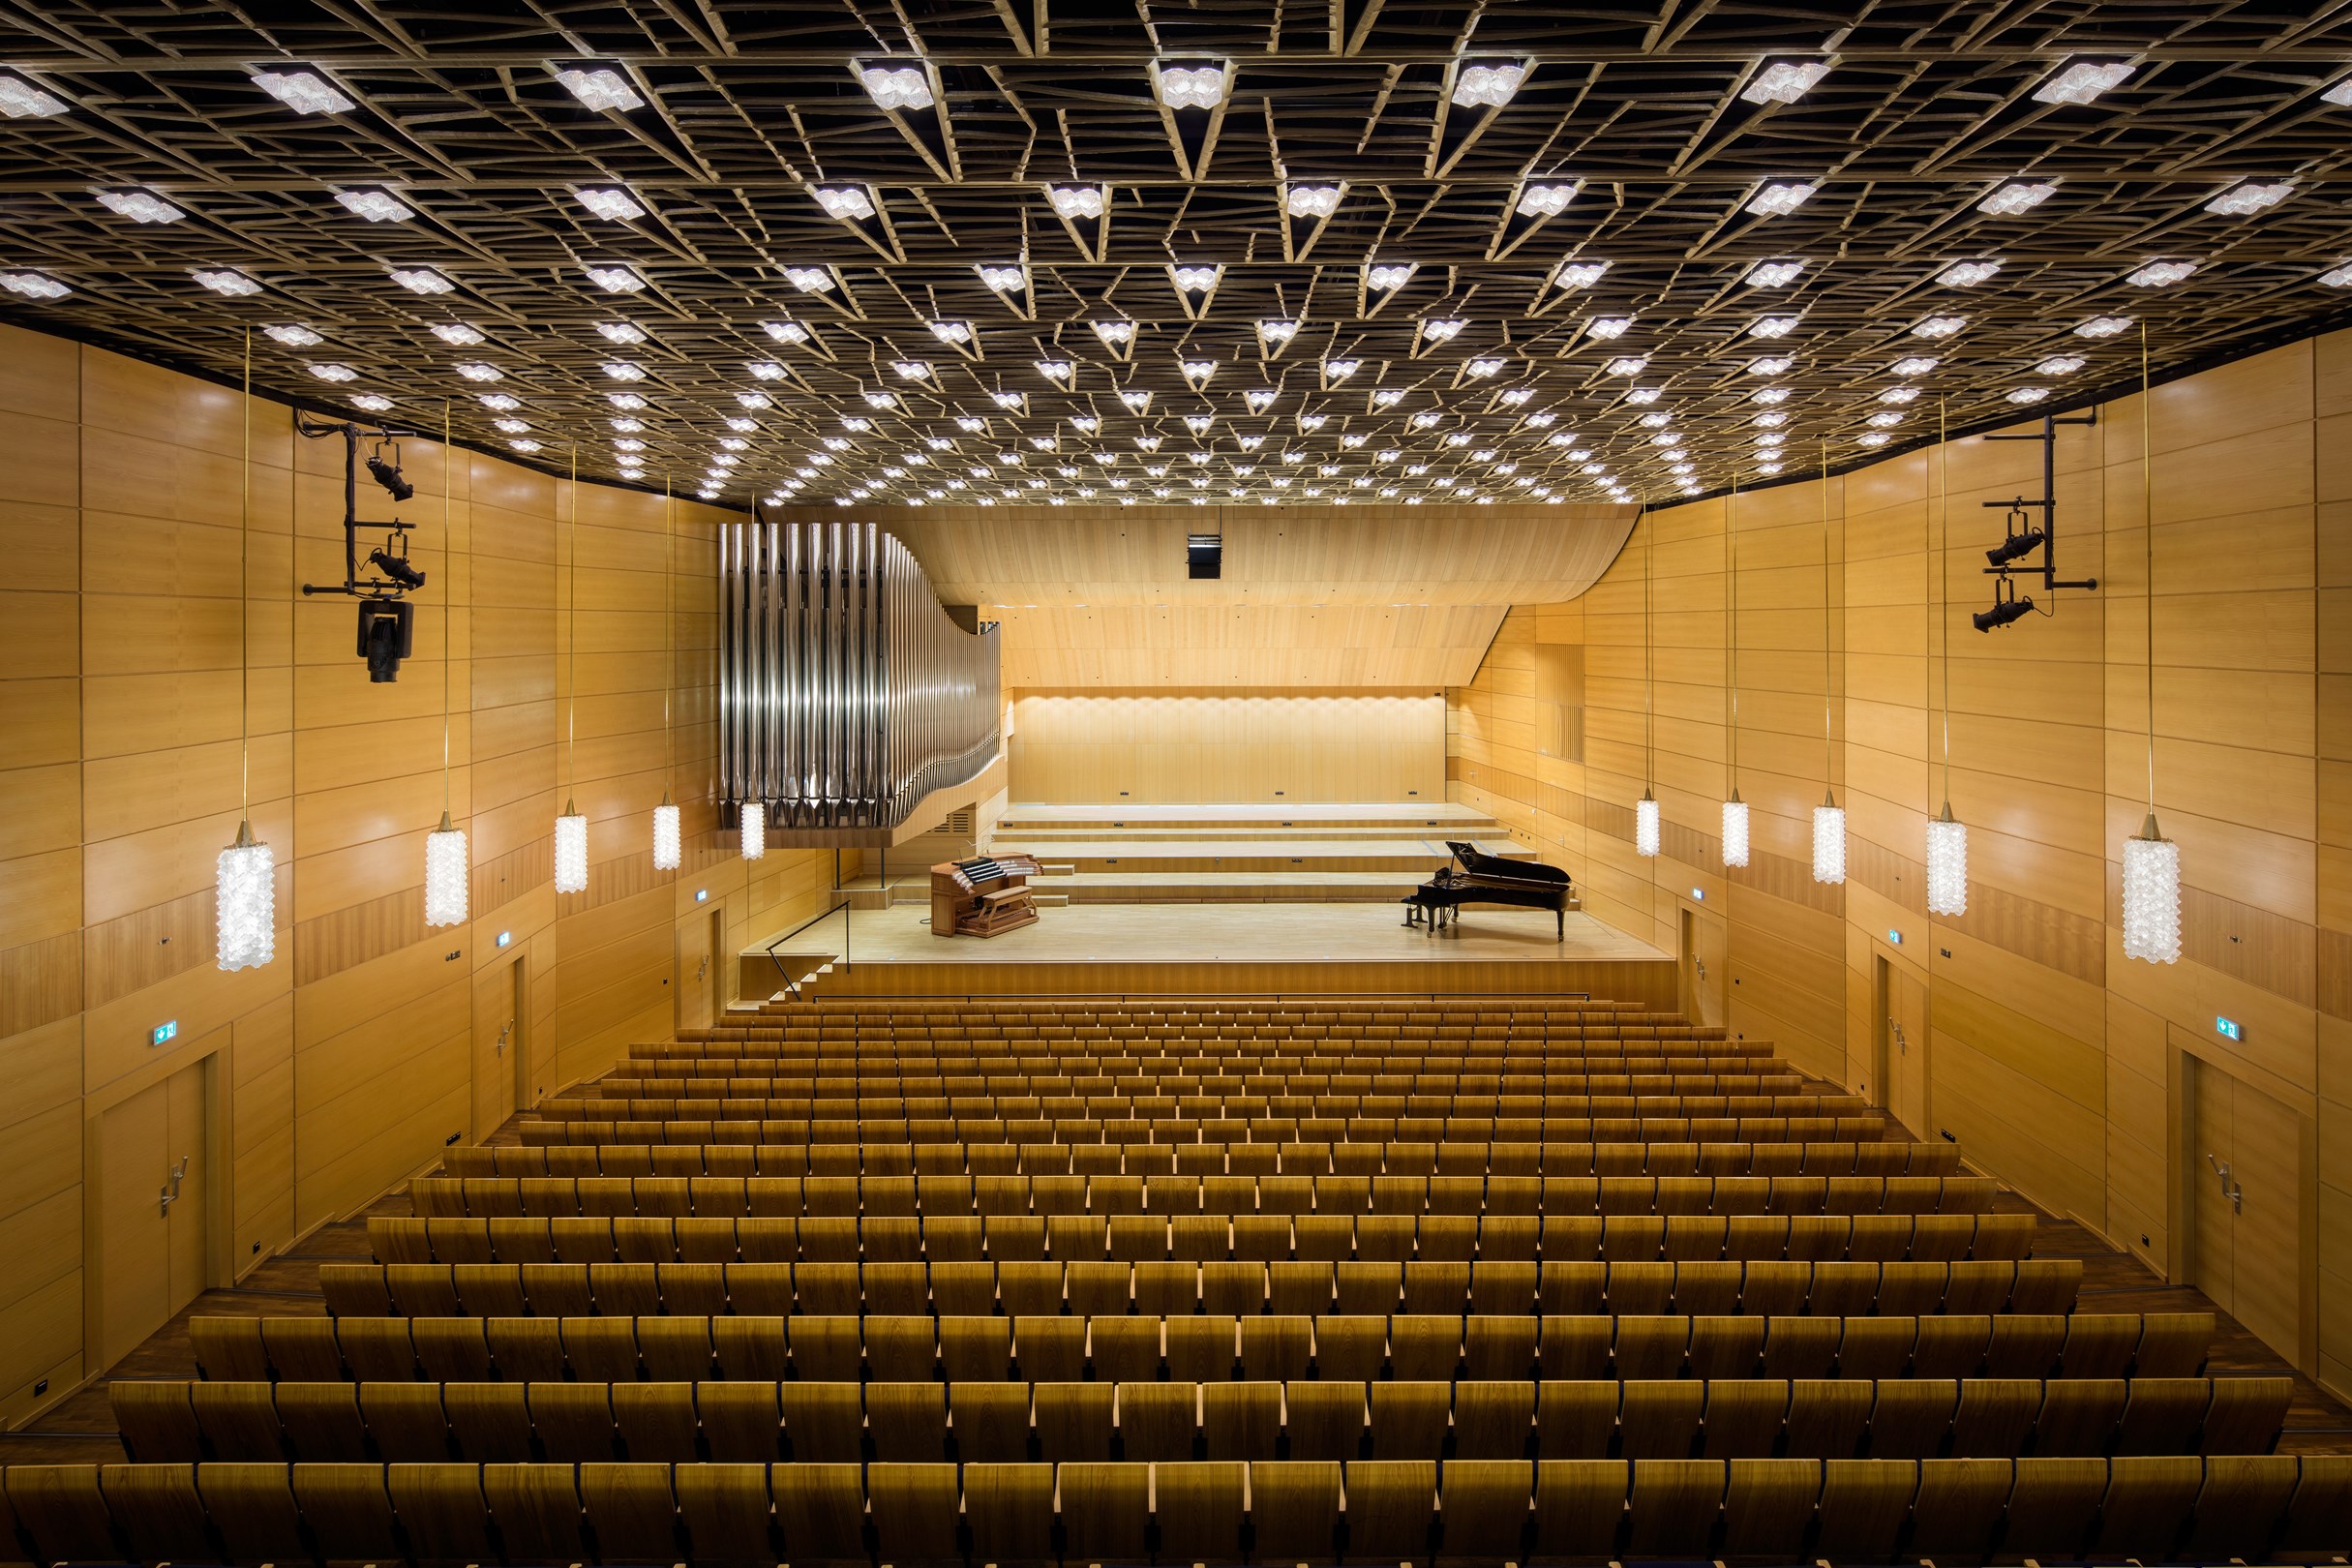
1489	879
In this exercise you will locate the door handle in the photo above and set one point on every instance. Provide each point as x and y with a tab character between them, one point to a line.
704	968
1700	964
169	1193
505	1030
1902	1045
2231	1188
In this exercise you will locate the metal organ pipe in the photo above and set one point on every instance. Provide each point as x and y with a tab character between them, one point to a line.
846	694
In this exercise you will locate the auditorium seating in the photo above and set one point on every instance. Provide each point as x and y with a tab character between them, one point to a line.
904	1282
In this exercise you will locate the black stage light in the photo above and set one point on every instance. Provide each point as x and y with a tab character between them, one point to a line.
2004	612
2016	545
397	568
387	634
388	475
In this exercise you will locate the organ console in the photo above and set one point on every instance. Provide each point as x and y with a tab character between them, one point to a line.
1489	879
985	897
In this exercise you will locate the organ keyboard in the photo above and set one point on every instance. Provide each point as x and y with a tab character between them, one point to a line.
985	897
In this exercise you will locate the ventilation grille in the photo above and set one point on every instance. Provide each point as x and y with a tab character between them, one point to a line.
958	824
1204	555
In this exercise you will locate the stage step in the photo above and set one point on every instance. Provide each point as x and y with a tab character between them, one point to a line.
1311	858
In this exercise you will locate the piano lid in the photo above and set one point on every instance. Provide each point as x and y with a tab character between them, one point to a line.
1477	862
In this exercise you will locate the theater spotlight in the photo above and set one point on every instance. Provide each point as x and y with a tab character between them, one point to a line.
2016	545
387	634
396	567
2015	607
388	474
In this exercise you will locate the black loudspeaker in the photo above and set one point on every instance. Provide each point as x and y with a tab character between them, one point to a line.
387	635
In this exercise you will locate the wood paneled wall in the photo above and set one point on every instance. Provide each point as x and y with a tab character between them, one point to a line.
1192	747
2055	1061
366	1044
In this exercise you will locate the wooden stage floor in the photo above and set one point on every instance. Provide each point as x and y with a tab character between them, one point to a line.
1225	950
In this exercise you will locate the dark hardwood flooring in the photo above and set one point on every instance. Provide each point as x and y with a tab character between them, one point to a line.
82	1429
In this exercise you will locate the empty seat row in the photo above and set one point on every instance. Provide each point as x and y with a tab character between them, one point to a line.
1111	1071
1368	1113
1200	1347
1182	1197
1269	1240
170	1421
1448	1159
1824	1129
1831	1289
1372	1511
1304	1094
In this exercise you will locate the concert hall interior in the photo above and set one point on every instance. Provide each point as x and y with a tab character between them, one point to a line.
1046	785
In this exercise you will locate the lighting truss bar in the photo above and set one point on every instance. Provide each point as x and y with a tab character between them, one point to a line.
2047	505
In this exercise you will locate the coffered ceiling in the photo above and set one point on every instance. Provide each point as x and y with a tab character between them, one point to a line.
1233	252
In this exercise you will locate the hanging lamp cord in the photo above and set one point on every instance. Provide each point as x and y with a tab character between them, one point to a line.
571	680
1829	676
448	610
245	662
1944	514
2148	563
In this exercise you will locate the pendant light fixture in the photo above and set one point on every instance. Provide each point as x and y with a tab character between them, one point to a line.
2152	862
445	846
1646	809
1734	809
1947	836
665	815
571	828
1828	818
245	882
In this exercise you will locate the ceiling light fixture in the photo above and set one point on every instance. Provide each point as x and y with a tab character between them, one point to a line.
2016	197
1386	278
1968	274
1006	279
23	100
376	207
1488	86
1072	201
601	89
1547	200
226	281
38	286
613	205
138	205
1773	274
459	333
1938	327
1631	365
296	336
1781	198
1312	200
1785	81
897	87
339	372
1570	275
1772	327
2161	274
2060	365
1607	328
2250	196
845	203
1189	87
245	878
2082	81
422	280
616	280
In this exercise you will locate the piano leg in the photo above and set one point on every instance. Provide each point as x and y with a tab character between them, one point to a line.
1561	916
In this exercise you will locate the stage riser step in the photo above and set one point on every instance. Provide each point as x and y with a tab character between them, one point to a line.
1156	834
1418	864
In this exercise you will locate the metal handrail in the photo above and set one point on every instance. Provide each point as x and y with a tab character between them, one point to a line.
789	984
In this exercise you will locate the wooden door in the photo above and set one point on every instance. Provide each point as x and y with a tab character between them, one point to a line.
497	1028
1907	1045
722	967
1703	948
2246	1185
153	1232
697	964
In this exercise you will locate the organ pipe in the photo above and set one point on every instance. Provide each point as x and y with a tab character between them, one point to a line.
846	694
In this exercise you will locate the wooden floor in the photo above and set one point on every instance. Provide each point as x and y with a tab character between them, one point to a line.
1251	933
82	1429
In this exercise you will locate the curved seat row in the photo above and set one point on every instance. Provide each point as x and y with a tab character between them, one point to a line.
1278	1240
1339	1112
170	1421
1273	1070
1184	1198
1487	1511
1547	1130
1302	1094
1204	1347
1453	1158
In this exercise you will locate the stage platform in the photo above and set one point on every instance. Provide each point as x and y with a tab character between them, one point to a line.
1240	950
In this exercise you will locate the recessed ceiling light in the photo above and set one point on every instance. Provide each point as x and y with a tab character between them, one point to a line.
1642	394
957	332
623	370
304	92
1073	201
477	371
1578	273
372	402
620	331
1191	87
2017	198
1785	81
1547	200
791	332
1914	366
2082	81
897	87
810	279
1774	364
910	370
616	280
2250	196
1259	400
523	444
2339	276
376	207
226	281
1938	327
422	280
1055	370
1773	274
1968	274
1488	86
1631	365
23	100
34	286
2060	365
1780	197
1608	327
601	88
500	402
459	333
1772	327
846	202
334	373
608	203
2161	274
296	336
1116	334
1387	277
2029	394
139	206
1874	437
1312	200
1004	279
629	400
2103	326
1900	395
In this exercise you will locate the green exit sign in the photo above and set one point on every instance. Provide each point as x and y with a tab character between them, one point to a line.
164	1033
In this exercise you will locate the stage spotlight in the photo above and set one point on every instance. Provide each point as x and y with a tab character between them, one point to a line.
397	568
387	634
2016	545
388	475
2003	612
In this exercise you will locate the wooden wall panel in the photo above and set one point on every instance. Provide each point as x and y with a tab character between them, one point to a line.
2051	1049
122	703
1176	746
